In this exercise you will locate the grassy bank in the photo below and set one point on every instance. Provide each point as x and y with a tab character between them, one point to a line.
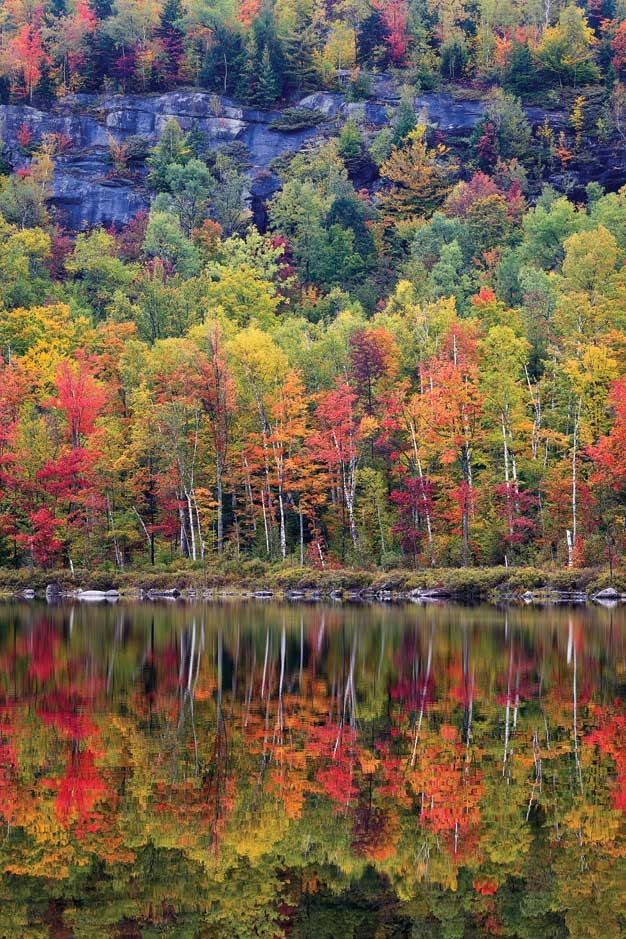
459	583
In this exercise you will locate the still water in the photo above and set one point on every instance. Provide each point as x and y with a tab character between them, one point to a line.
251	770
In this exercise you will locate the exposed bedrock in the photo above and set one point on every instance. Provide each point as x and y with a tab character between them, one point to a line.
86	192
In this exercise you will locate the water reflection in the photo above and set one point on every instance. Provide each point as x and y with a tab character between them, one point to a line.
265	770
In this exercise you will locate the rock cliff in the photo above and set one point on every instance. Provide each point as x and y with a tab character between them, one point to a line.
86	191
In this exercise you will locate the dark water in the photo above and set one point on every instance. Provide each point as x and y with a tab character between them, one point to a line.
266	771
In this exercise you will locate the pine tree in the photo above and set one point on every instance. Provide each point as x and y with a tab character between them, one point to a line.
267	88
299	48
172	37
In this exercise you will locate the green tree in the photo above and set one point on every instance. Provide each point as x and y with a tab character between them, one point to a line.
189	189
165	239
172	148
97	271
566	50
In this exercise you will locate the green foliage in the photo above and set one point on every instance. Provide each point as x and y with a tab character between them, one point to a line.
22	203
511	130
165	239
96	272
293	119
566	48
188	188
172	149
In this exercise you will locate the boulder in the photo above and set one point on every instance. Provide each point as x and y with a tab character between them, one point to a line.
53	593
609	594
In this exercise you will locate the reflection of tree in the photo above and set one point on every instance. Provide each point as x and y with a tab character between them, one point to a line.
272	772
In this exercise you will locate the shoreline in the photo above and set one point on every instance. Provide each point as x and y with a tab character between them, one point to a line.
523	585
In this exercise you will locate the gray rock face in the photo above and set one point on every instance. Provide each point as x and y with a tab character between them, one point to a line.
84	195
449	115
87	193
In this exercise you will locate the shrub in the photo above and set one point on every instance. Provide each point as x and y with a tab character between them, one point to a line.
293	119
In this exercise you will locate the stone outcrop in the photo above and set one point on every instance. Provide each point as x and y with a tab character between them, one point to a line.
86	191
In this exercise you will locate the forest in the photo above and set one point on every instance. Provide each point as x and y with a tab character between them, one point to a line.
415	359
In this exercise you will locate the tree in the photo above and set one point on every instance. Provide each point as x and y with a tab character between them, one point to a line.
132	26
80	398
505	357
566	50
227	199
164	239
189	189
97	271
172	148
451	380
419	178
217	393
27	57
373	355
336	443
503	132
23	203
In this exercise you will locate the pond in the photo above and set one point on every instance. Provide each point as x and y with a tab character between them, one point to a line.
272	770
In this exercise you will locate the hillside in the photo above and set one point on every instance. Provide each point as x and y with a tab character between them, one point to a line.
312	303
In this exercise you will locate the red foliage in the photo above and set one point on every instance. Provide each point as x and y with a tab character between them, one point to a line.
24	136
42	652
394	15
66	713
336	747
130	239
79	789
43	543
484	297
485	886
248	10
618	47
465	195
610	452
61	245
372	354
487	147
336	442
29	56
80	397
610	739
413	500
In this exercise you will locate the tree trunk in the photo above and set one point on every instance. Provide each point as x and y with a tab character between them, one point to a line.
220	506
573	535
281	512
467	501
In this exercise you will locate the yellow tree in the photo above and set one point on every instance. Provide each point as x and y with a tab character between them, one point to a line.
419	178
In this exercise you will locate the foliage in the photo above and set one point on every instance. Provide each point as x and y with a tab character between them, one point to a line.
412	354
355	770
292	119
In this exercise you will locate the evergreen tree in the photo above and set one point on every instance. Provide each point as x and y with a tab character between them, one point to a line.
267	87
404	120
172	38
172	148
299	47
223	61
371	45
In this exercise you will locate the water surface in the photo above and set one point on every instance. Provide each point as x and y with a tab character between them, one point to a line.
265	770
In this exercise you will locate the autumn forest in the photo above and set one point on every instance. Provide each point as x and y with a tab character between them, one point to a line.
411	355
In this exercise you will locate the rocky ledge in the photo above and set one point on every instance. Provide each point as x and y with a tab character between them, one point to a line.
87	192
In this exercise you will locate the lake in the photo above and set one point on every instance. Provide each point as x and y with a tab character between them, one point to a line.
323	771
